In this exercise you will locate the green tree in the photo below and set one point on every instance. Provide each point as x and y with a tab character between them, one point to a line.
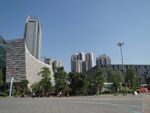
36	87
61	81
45	82
116	78
76	81
24	86
87	84
132	78
100	79
1	80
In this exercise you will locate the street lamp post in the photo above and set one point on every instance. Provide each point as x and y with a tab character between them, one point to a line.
120	44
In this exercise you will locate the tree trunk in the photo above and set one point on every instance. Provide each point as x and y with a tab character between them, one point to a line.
101	89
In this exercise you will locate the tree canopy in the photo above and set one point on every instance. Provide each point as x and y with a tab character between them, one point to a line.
100	79
61	81
44	86
116	78
132	78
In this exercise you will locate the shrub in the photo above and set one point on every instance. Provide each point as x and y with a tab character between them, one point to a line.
4	94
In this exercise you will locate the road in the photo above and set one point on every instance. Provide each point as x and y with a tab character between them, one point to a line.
85	104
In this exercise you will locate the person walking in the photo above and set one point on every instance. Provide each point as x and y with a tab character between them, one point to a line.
33	94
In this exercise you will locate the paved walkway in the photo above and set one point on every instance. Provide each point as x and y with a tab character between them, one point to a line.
89	104
146	103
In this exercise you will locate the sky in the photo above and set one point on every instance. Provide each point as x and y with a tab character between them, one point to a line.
71	26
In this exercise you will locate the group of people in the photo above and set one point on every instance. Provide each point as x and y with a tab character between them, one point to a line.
59	94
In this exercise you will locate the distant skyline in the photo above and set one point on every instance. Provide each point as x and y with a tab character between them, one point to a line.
71	26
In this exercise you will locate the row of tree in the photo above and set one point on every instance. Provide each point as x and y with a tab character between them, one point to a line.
89	83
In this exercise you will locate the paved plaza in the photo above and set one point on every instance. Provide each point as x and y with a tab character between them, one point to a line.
85	104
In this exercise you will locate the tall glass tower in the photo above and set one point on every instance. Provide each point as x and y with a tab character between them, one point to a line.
32	36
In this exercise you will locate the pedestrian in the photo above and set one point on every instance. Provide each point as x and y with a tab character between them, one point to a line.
60	93
33	94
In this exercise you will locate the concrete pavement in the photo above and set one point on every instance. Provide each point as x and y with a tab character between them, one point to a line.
85	104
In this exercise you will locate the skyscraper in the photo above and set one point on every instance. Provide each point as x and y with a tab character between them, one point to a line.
32	36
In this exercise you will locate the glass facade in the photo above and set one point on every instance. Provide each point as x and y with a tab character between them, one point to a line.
33	36
3	57
2	52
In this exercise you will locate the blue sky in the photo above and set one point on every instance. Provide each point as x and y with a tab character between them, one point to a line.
70	26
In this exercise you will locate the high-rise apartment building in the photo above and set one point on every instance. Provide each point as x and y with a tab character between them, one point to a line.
90	60
73	63
103	60
54	62
32	36
81	62
81	56
76	62
47	61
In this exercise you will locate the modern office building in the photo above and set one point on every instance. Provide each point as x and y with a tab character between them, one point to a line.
81	62
22	56
103	60
32	36
143	71
2	52
3	57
